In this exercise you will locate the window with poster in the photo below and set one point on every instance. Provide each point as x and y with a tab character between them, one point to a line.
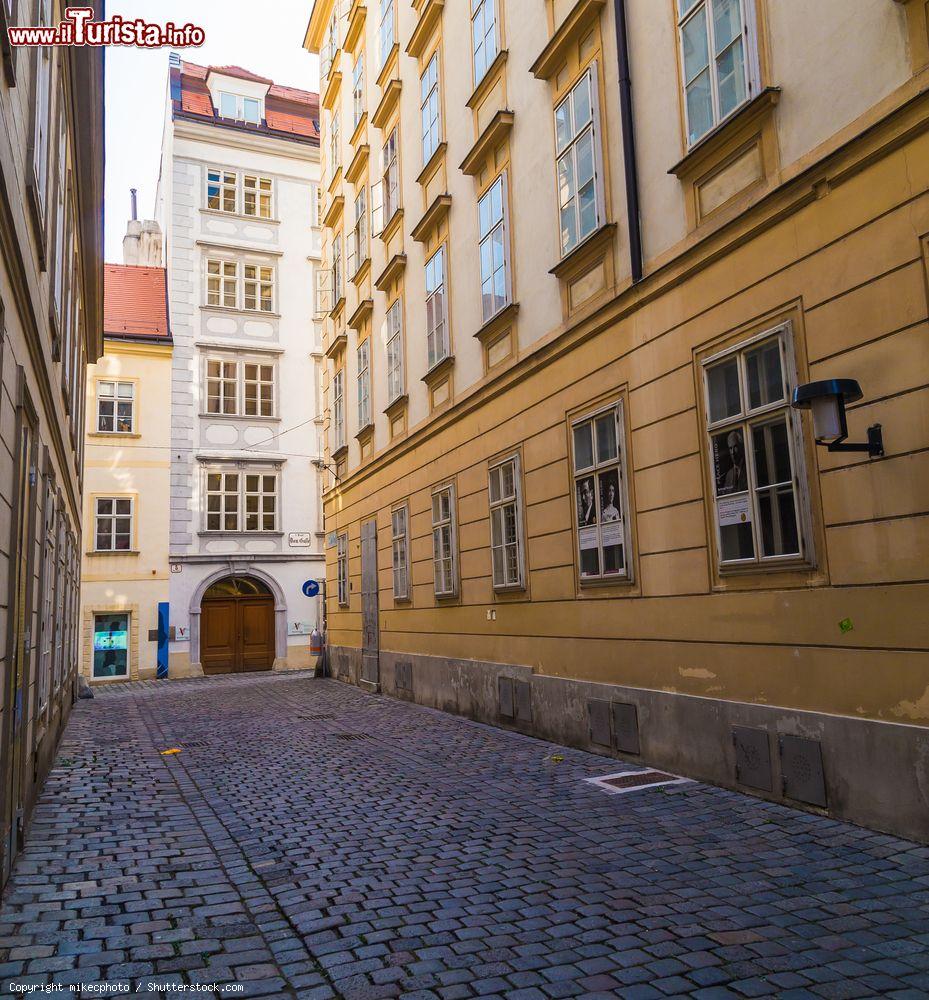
753	440
600	495
111	645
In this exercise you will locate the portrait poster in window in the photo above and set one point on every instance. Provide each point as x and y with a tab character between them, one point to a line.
729	462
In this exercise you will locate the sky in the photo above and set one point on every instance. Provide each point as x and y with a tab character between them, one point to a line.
269	43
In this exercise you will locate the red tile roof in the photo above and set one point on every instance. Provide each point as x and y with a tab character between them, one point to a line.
289	112
135	301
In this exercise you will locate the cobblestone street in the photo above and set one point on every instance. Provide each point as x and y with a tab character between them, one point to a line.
314	841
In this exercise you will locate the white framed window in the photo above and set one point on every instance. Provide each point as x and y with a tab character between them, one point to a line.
358	89
222	283
111	645
364	383
46	626
342	569
222	386
42	108
437	346
222	190
222	501
394	342
719	61
400	548
753	439
259	389
115	406
484	42
385	30
335	143
237	501
260	501
113	524
239	108
329	48
444	542
494	249
256	196
506	524
429	108
258	288
338	410
600	495
62	211
390	177
578	150
358	240
61	601
338	289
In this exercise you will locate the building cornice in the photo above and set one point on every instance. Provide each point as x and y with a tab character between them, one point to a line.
278	145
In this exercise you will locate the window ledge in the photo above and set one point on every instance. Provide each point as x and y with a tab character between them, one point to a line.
240	534
239	216
390	99
550	59
337	308
498	128
393	269
497	323
118	435
332	90
113	552
389	64
393	224
336	344
589	247
432	217
241	417
365	432
394	407
339	453
358	164
486	82
439	369
245	313
334	179
334	211
427	171
364	310
361	272
706	148
359	128
356	22
430	15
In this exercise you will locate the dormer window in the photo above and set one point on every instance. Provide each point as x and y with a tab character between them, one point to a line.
240	109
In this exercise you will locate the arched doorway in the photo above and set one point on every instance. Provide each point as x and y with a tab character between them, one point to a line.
237	627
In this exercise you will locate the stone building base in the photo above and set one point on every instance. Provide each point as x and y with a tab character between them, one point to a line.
875	774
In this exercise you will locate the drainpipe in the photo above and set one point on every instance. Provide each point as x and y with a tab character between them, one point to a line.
627	126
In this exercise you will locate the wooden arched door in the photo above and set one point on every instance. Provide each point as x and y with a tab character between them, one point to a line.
237	626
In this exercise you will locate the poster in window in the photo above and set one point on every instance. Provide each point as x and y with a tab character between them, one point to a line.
729	462
589	543
609	498
734	510
586	503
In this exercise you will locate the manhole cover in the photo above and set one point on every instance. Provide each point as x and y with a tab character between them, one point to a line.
633	781
352	736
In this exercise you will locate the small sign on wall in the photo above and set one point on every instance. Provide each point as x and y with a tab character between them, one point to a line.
332	539
182	633
300	539
299	628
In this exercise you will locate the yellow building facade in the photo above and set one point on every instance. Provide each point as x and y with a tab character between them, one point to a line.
127	494
579	264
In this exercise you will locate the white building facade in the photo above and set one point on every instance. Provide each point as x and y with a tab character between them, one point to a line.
238	197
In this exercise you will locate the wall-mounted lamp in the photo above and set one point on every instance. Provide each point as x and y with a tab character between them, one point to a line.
324	466
827	400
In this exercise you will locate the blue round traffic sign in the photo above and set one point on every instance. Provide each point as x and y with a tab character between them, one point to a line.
311	588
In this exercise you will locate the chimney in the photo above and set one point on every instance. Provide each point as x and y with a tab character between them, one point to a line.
142	244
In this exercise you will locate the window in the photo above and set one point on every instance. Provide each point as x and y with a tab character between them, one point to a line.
753	444
111	645
394	340
259	390
222	501
358	240
259	288
60	601
436	309
444	545
717	70
42	108
506	543
46	641
221	190
222	283
229	493
386	31
400	545
494	249
222	386
335	144
260	502
364	384
358	90
429	108
338	292
240	109
390	177
114	407
257	196
59	255
113	531
342	569
483	36
578	161
338	411
600	495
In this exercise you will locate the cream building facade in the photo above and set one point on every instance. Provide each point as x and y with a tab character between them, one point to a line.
51	301
125	569
583	252
238	200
